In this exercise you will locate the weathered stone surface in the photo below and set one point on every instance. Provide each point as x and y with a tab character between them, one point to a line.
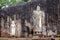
26	11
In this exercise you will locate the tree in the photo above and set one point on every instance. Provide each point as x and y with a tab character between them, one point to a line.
10	2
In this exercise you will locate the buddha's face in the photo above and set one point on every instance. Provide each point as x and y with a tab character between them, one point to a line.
13	22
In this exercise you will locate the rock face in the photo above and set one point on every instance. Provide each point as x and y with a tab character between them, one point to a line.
39	20
18	28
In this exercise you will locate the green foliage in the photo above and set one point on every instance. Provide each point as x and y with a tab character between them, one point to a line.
10	2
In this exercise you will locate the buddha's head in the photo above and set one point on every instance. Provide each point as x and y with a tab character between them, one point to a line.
38	8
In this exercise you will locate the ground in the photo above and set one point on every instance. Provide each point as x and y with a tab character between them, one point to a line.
28	38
